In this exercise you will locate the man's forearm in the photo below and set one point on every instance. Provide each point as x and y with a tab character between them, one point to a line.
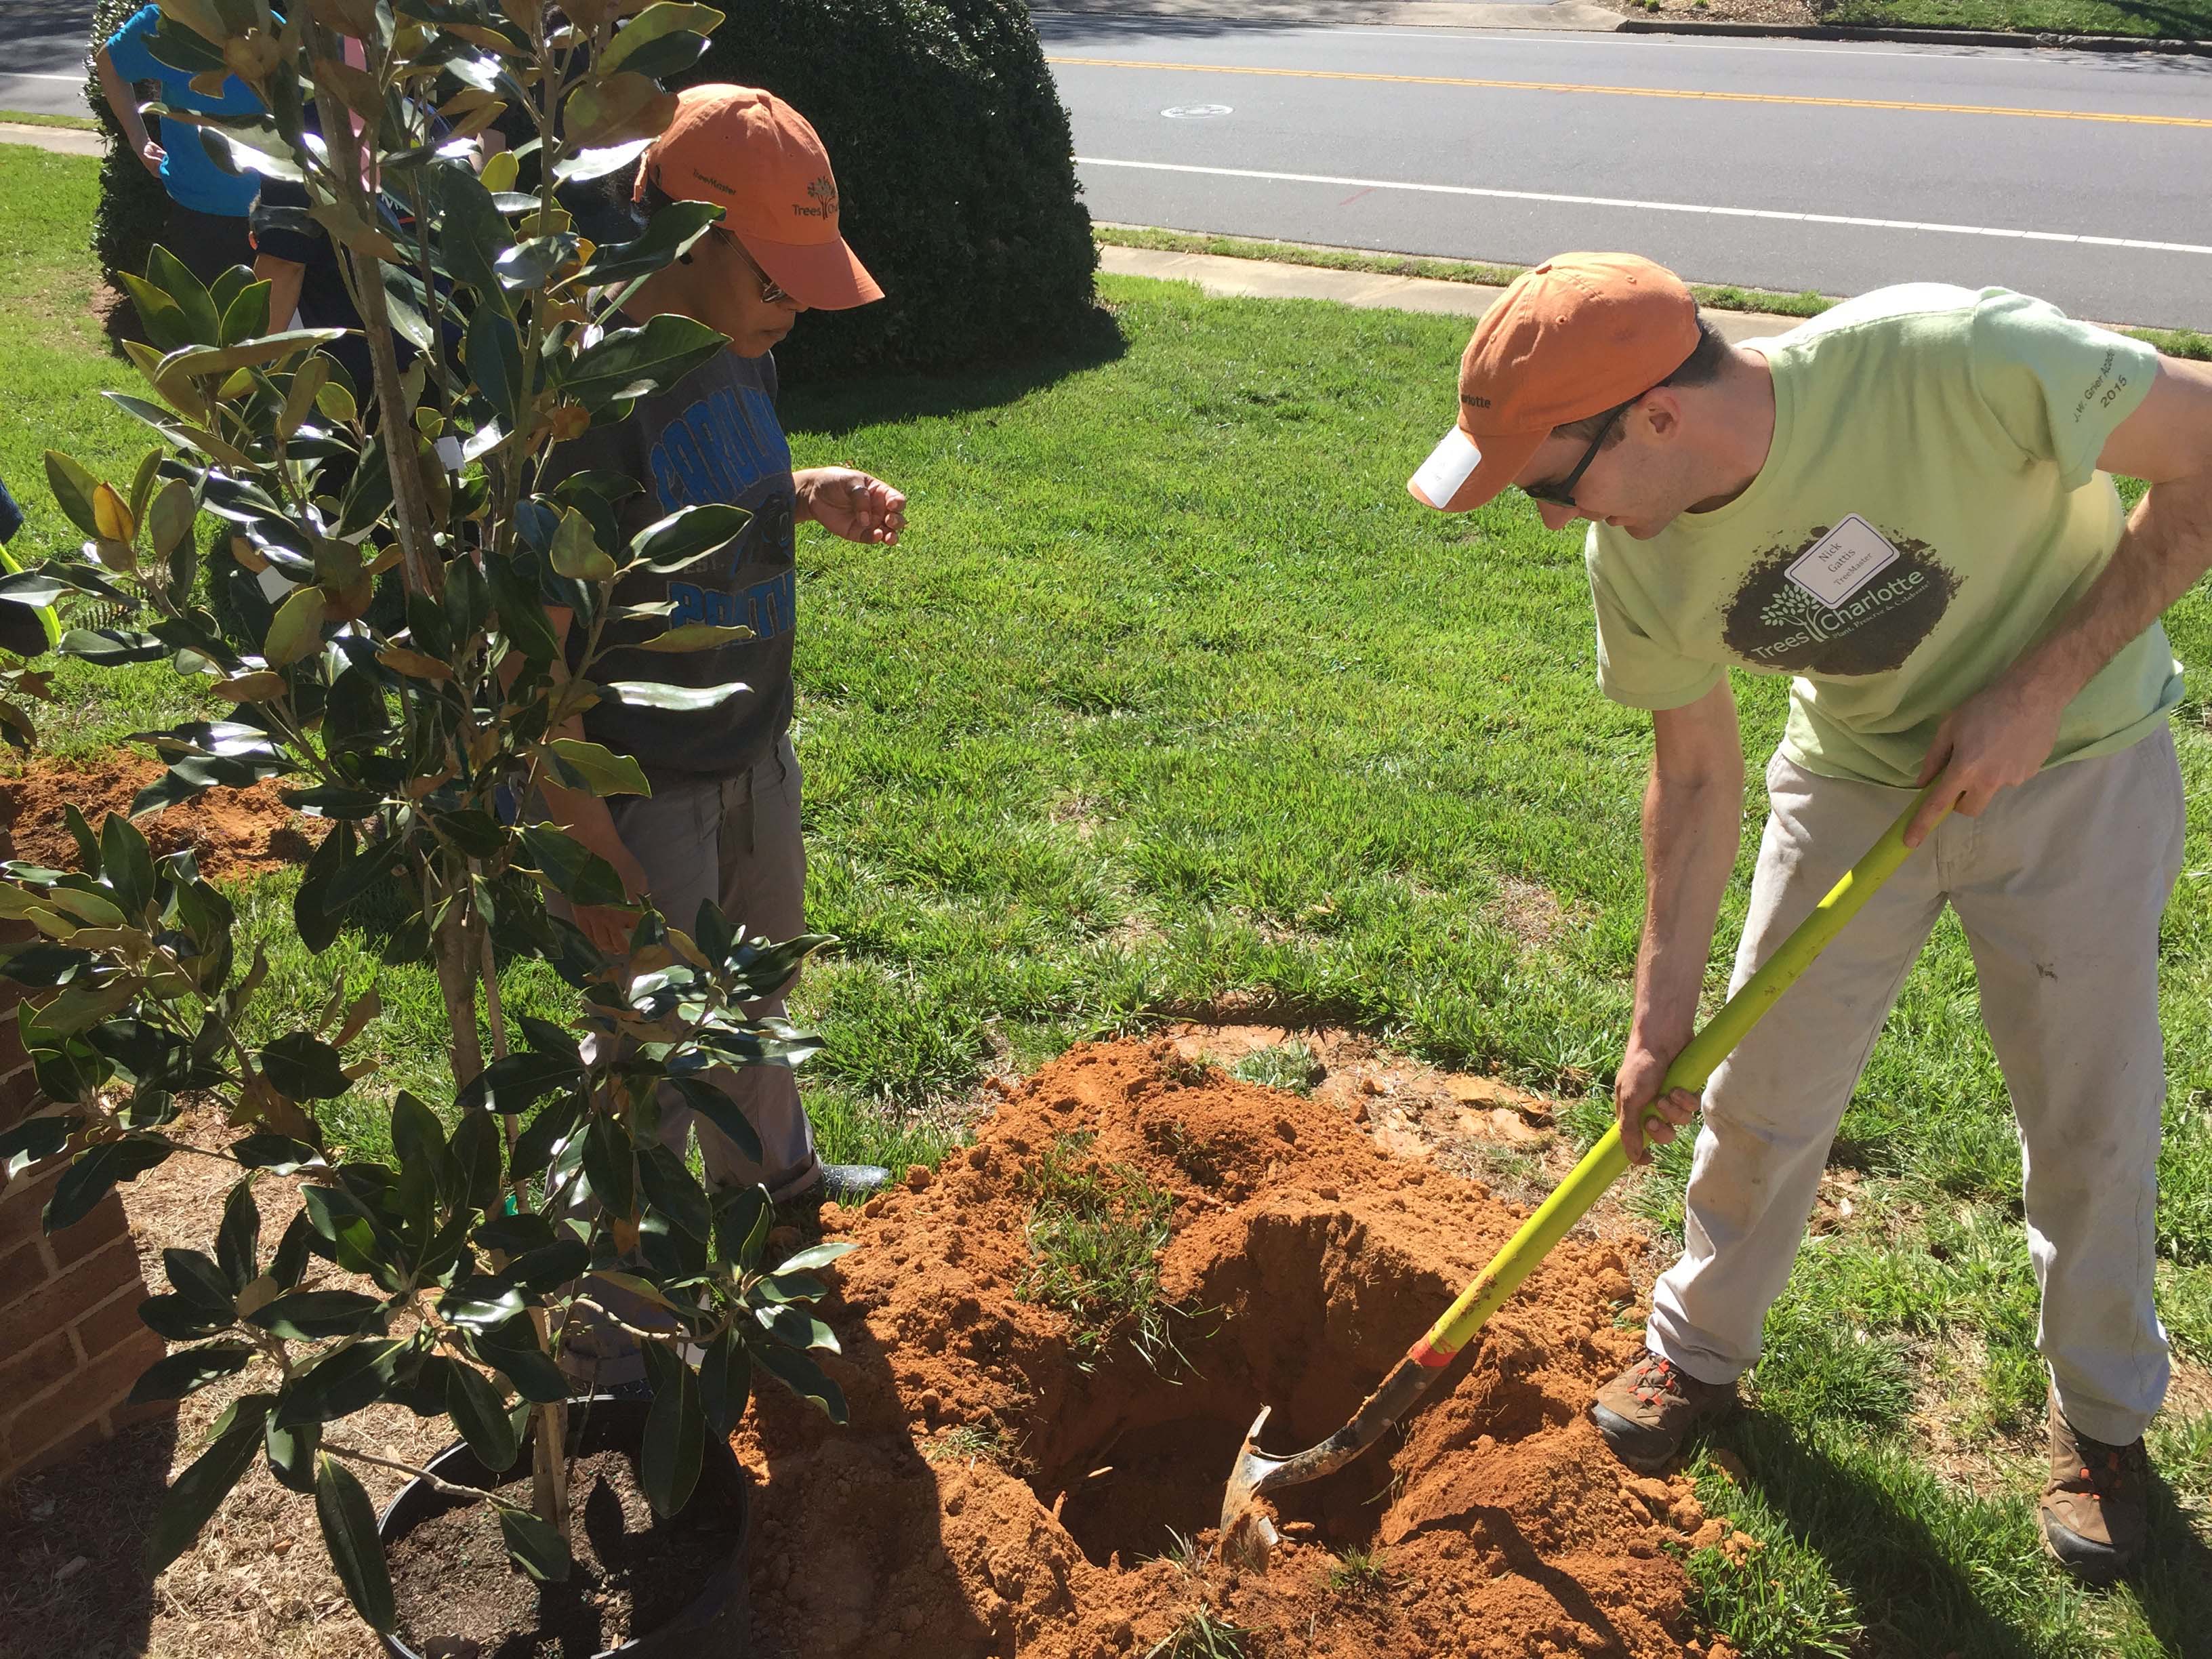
1691	830
2166	548
122	100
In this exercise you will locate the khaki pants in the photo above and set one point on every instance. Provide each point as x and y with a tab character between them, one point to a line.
736	841
2059	887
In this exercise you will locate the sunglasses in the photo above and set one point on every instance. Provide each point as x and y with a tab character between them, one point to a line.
1562	494
769	293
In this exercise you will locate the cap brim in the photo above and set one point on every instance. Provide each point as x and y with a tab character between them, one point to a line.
821	276
1461	474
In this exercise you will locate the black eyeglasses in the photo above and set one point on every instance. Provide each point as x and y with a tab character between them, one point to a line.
769	293
1562	494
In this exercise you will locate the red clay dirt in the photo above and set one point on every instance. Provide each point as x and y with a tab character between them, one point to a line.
233	833
1498	1522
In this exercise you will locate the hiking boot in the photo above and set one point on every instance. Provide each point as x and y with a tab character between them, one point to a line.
1645	1412
2096	1505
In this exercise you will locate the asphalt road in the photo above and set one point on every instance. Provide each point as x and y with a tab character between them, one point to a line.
42	55
2078	176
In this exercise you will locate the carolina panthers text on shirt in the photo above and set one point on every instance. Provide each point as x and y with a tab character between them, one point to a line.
716	450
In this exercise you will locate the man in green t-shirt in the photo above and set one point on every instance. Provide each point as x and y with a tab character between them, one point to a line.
1905	504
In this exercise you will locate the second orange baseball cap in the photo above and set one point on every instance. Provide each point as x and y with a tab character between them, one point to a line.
759	159
1580	334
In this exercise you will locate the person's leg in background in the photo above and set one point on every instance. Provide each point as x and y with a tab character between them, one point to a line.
761	879
2065	887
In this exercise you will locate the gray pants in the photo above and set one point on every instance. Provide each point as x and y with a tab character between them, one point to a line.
735	841
2059	887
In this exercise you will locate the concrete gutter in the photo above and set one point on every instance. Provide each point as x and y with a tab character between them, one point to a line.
1265	279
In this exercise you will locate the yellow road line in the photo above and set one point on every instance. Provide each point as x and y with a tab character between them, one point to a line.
2110	116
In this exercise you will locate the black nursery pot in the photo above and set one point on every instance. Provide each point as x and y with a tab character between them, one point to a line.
717	1621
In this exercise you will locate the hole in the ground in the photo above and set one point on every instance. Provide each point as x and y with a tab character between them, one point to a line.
1150	1490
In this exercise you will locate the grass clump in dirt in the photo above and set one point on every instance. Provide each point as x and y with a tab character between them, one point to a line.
1096	1231
1359	1571
1290	1065
1201	1633
970	1443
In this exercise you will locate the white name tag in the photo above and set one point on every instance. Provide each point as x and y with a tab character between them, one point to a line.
1843	562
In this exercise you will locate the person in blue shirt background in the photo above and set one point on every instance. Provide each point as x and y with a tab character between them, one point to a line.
208	207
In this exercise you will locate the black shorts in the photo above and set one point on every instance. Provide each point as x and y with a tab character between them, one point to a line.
208	243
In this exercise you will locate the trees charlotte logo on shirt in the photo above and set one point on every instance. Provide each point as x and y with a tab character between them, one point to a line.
1845	600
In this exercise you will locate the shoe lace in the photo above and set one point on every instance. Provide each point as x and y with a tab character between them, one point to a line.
1665	1378
2113	1471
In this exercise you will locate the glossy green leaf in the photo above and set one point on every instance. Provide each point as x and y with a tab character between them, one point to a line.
694	636
482	1417
238	1240
196	1494
95	1173
658	22
350	1533
687	535
302	1067
675	1432
296	632
683	699
593	766
336	1386
725	1381
73	490
538	1549
803	1378
310	1313
188	1370
292	1448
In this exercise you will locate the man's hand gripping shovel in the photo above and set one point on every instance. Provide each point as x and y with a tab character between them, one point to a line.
1247	1532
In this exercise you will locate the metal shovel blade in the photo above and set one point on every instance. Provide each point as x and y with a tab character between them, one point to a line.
1248	1536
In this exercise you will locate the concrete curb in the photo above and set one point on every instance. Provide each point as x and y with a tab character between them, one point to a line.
1222	276
63	140
2006	39
1571	16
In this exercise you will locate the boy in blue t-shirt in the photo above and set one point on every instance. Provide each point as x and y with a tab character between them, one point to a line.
207	206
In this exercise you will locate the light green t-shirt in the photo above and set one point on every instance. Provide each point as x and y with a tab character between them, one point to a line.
1930	509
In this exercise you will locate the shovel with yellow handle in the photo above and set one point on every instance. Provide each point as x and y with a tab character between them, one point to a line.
1248	1534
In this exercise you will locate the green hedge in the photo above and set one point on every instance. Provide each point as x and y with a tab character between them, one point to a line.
133	206
955	174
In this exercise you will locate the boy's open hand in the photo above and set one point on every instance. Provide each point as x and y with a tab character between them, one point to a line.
850	503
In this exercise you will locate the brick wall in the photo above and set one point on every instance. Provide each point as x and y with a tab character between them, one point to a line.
71	1341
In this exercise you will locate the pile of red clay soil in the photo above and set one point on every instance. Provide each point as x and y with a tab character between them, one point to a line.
233	833
992	1497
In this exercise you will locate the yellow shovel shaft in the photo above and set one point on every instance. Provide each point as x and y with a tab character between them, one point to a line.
1603	1165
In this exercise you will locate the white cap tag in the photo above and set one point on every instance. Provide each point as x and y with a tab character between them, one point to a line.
1448	468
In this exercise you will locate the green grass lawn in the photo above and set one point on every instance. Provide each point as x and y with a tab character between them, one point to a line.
2167	20
1171	695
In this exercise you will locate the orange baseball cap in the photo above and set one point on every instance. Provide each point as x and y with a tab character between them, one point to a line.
1580	334
759	160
